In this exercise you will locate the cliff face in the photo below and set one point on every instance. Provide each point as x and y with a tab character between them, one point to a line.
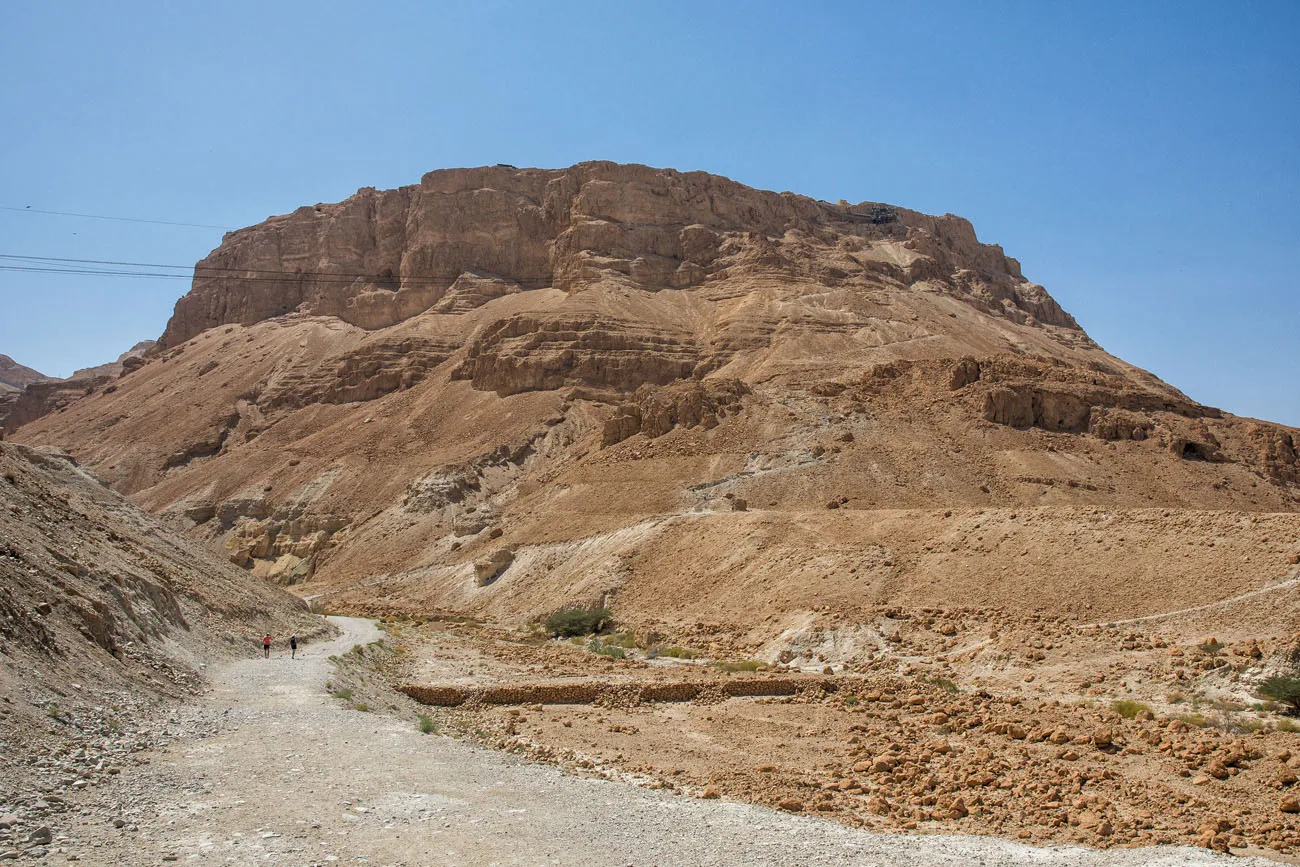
573	366
463	237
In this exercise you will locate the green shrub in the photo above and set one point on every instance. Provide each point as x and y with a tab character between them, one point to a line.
1195	720
746	665
577	621
427	725
53	711
613	651
677	652
344	694
1128	708
361	706
1288	725
1284	688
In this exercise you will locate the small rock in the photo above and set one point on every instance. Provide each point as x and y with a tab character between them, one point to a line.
791	805
41	836
1289	804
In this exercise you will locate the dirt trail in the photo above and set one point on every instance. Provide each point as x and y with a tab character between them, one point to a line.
1291	580
278	772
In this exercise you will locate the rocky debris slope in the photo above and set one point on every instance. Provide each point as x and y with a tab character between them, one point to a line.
106	617
931	719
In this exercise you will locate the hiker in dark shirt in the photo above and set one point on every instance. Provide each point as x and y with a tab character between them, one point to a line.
293	647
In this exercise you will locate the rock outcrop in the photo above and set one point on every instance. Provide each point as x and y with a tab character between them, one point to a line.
463	237
656	411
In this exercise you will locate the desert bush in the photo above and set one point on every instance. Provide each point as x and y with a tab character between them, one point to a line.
1195	720
1128	708
344	694
1284	688
577	621
746	665
1245	725
677	652
1288	725
427	725
944	684
613	651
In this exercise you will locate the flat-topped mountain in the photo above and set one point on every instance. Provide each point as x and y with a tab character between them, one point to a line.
505	389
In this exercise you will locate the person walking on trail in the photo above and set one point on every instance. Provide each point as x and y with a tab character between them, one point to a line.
266	645
293	647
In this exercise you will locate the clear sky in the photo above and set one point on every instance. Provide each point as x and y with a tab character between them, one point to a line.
1142	160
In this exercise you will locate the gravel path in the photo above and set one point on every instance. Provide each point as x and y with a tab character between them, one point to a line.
272	770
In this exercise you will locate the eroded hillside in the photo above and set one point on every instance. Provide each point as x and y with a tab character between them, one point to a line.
106	616
503	390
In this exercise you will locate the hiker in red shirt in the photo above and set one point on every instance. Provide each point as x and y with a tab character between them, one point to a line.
266	645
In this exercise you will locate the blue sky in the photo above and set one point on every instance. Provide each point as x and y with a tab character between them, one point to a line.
1141	160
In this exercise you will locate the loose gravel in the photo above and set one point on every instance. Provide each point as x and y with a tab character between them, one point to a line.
269	768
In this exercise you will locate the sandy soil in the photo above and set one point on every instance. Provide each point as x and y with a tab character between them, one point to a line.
275	770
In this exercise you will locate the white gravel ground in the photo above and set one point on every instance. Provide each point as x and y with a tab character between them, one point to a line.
271	770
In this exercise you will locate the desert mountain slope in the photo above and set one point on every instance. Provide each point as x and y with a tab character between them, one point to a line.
104	611
501	390
42	395
16	376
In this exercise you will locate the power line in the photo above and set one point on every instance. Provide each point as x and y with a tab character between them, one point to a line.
31	210
116	268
